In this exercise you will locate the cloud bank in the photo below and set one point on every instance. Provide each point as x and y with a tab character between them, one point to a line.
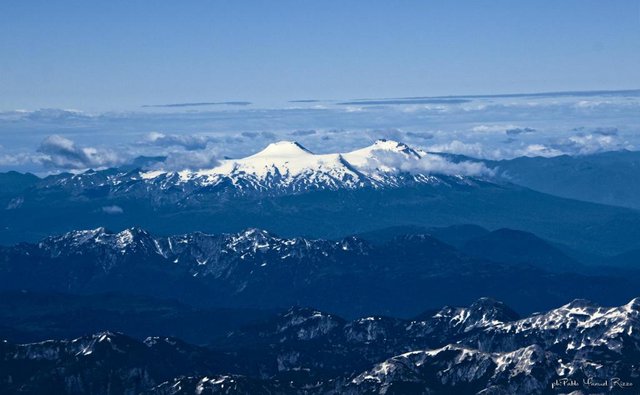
189	160
486	127
61	153
427	164
189	142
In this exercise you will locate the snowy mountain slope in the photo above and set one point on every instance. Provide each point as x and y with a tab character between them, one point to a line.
577	328
579	342
283	165
465	350
460	370
307	351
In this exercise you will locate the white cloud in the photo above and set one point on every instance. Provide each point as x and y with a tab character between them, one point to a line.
192	160
508	129
475	150
584	144
112	210
519	131
387	134
479	150
428	164
436	164
62	153
492	128
12	159
419	135
189	142
438	109
536	150
591	103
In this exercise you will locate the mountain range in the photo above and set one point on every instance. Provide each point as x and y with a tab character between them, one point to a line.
400	273
485	348
607	177
286	167
282	168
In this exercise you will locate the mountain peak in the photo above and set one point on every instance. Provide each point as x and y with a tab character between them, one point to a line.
488	309
131	236
254	233
395	146
376	153
389	144
579	304
77	237
634	304
283	149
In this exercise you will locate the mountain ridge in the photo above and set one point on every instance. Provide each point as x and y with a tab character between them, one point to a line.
482	348
257	269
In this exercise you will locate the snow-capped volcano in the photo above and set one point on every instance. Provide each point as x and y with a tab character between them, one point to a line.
284	164
287	166
282	168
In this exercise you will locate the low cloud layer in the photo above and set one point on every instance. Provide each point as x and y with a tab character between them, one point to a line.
517	131
584	144
62	153
198	104
420	135
299	133
480	151
189	160
428	164
112	210
189	142
15	160
261	135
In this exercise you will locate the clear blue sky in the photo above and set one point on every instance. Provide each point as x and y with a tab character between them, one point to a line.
118	54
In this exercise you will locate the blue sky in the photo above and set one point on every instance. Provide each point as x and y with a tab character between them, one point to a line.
120	55
86	83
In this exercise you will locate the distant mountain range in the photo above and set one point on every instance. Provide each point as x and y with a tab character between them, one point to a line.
484	348
611	178
400	273
292	192
287	167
